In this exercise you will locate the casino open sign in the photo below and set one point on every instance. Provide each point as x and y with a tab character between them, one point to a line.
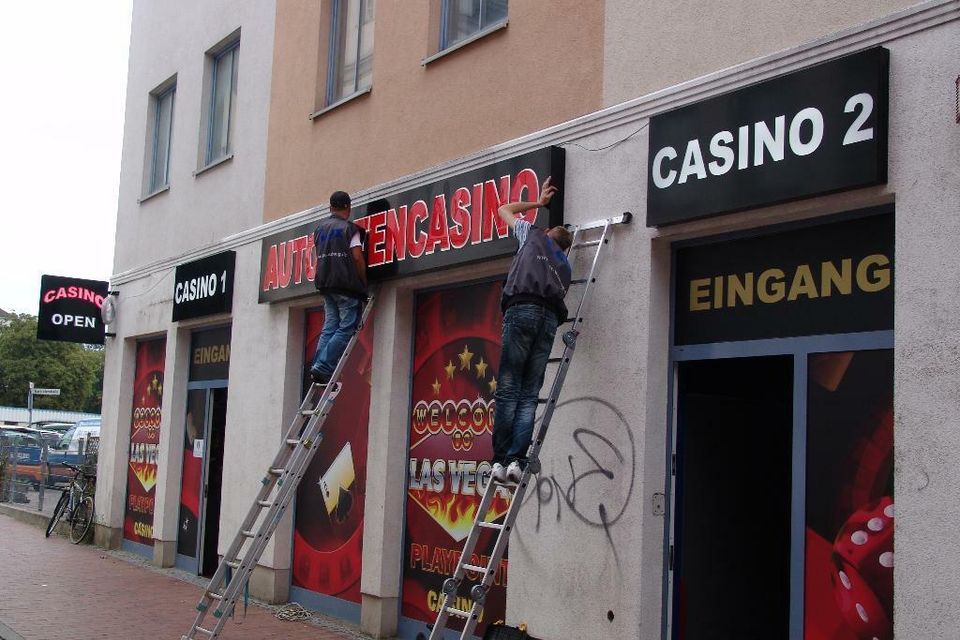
70	309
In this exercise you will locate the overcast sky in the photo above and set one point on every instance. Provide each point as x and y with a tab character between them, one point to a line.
64	70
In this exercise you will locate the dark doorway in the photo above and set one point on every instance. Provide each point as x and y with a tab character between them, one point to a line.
733	465
213	481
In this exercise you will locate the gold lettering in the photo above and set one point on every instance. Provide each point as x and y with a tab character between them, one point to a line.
742	290
771	292
830	278
699	290
718	292
876	279
803	283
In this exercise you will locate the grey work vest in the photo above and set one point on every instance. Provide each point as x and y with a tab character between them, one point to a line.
336	270
540	274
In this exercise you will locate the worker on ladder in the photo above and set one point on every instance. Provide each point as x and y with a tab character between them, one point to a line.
533	307
341	277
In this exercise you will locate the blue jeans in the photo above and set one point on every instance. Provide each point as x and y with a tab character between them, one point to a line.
341	316
528	333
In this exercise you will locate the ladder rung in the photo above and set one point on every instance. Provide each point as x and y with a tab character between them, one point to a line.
233	564
215	595
473	567
490	525
292	442
248	534
276	471
555	360
582	280
206	631
308	412
544	400
460	613
265	503
590	243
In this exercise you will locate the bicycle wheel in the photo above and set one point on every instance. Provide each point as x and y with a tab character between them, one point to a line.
58	511
82	520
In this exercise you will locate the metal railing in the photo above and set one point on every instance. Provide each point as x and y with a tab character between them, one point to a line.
29	472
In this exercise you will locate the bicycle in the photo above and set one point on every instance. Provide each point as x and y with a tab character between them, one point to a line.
77	503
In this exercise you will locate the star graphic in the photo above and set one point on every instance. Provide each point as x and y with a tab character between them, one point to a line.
493	384
449	369
465	358
481	368
436	387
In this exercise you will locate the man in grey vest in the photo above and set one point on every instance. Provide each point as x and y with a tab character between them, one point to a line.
533	307
341	277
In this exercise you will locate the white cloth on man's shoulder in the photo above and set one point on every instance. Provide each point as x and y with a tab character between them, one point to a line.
521	229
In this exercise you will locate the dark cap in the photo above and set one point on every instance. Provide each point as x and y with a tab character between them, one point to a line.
339	200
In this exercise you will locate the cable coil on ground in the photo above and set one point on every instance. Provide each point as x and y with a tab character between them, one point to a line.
292	611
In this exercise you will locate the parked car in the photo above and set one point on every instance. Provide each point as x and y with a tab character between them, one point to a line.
22	447
80	439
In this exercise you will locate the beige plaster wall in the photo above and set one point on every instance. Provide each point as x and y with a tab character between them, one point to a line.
651	45
543	68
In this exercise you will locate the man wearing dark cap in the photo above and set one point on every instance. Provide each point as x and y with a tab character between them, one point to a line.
341	277
533	307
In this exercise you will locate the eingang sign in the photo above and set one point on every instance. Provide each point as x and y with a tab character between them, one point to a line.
816	131
446	223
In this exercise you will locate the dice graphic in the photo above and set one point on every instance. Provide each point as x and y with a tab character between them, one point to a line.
863	564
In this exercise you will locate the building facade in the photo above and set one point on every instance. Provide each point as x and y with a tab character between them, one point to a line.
764	383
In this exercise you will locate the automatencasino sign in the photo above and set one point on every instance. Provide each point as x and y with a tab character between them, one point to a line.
446	223
204	287
819	130
70	309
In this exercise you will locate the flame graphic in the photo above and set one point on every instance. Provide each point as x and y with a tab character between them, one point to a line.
146	474
455	512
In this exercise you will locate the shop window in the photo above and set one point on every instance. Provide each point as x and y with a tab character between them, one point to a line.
220	93
350	58
462	20
159	134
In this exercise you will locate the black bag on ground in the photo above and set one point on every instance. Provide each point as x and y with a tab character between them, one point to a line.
500	631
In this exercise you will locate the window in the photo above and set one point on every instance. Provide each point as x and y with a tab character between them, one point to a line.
223	103
461	19
162	127
351	48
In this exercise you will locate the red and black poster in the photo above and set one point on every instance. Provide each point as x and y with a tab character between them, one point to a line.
144	441
328	526
850	510
456	355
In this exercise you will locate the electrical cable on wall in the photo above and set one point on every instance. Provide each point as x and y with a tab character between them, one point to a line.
612	144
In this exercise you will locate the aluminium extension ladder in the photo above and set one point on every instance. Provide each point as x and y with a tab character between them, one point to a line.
277	490
478	591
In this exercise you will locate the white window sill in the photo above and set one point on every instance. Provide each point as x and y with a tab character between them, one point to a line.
496	26
340	103
154	193
211	165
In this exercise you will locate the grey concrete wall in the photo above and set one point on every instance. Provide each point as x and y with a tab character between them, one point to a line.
650	45
170	38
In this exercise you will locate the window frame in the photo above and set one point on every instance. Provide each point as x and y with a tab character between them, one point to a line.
210	157
445	44
158	96
334	54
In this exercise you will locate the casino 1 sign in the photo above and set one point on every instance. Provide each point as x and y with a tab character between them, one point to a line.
820	130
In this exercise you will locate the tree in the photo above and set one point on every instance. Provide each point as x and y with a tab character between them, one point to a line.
77	370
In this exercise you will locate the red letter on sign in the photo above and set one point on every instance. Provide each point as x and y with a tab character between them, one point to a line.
492	199
438	225
460	213
270	275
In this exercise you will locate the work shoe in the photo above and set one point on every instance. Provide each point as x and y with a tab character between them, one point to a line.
498	473
514	472
319	377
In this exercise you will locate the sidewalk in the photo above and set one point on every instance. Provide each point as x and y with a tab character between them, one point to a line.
55	590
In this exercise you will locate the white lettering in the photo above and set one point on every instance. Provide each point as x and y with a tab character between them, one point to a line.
659	180
773	143
720	151
692	162
815	118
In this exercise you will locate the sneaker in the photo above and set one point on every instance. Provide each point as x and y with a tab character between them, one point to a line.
514	472
498	473
319	377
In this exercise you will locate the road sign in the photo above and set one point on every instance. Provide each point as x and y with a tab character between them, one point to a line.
46	392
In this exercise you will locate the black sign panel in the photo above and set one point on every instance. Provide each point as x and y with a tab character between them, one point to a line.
204	287
446	223
210	354
816	131
70	309
830	278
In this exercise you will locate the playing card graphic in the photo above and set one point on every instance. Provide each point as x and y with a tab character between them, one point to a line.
335	485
